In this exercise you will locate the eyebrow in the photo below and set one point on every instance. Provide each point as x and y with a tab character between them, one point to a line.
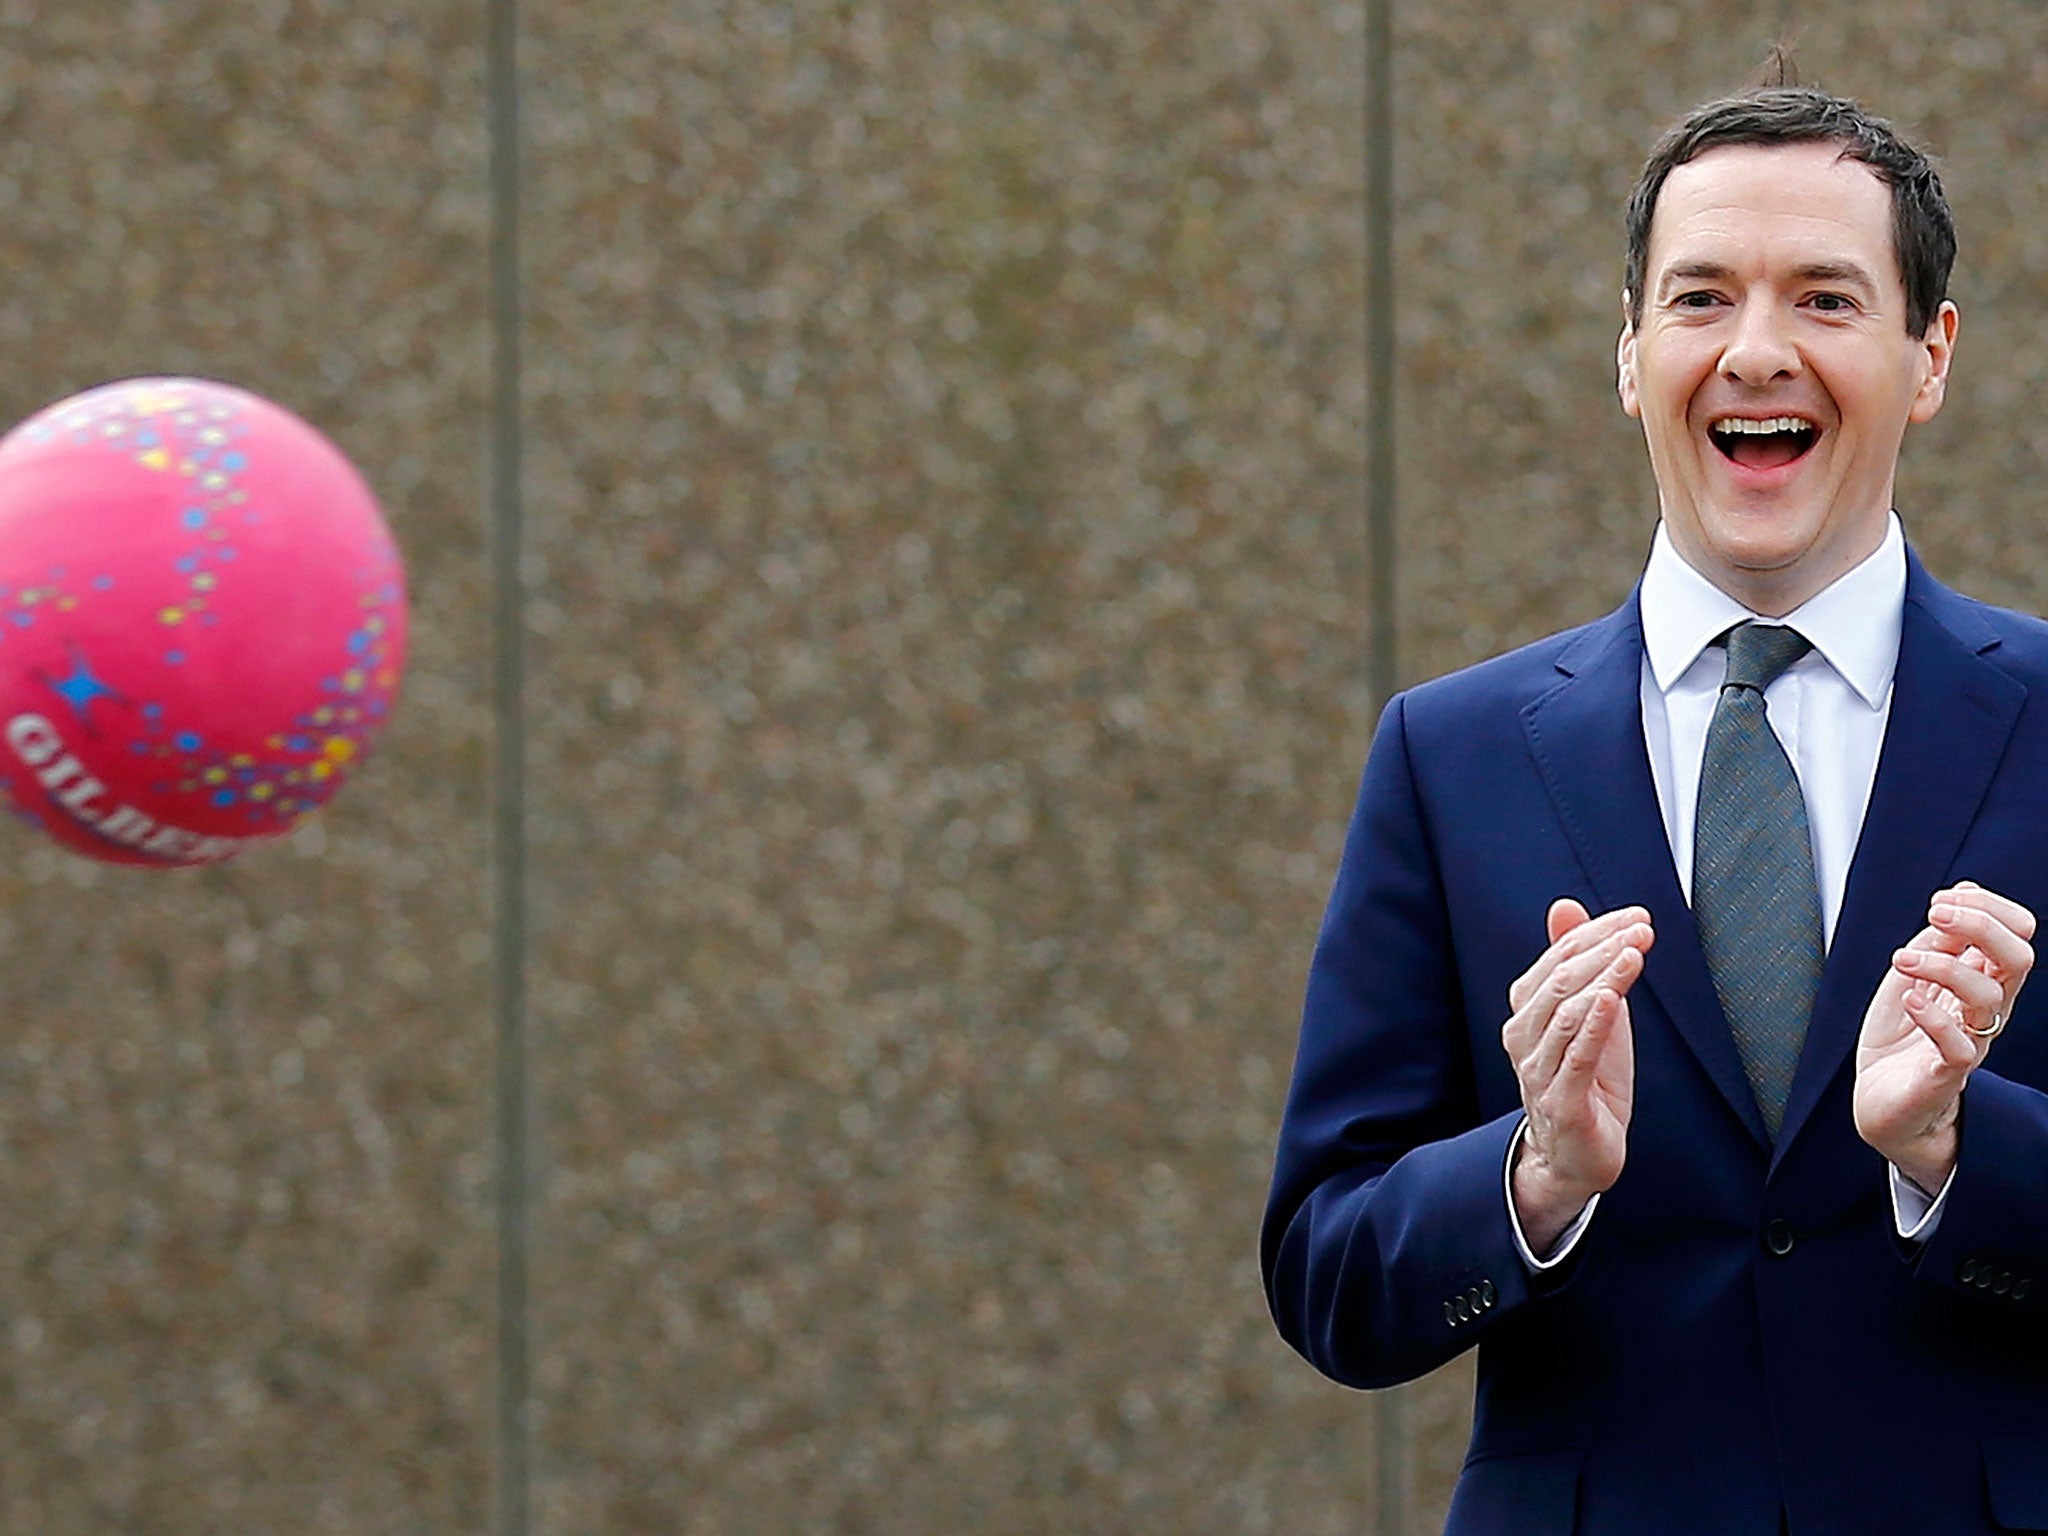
1811	272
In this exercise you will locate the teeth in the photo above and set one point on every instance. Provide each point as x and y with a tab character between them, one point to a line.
1744	426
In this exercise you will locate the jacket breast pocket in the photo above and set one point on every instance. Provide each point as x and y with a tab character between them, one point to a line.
2016	1476
1527	1493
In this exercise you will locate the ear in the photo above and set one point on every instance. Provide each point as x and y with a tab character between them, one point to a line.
1940	346
1625	363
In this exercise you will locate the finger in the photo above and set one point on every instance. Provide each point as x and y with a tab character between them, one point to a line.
1571	979
1537	1066
1935	939
1576	941
1970	985
1569	1020
1582	1056
1568	979
1957	1047
1579	972
1541	1084
2008	952
1564	915
1969	893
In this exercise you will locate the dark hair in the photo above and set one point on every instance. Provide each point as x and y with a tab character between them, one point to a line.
1923	233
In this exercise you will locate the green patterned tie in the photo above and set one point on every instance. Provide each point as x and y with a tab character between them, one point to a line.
1753	892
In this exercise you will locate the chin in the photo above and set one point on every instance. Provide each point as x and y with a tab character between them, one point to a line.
1766	568
1758	550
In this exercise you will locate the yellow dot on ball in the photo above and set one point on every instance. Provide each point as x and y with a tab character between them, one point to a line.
338	749
173	615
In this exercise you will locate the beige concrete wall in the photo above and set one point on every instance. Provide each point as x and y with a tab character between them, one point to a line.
945	434
948	439
245	1259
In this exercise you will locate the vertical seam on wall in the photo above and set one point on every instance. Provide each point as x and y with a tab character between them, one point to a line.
1380	363
1379	343
508	799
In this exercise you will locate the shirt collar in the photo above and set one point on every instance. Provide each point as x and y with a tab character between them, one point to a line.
1853	623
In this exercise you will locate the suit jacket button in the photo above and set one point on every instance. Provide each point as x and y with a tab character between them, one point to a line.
1778	1237
2002	1284
1487	1293
2020	1289
1450	1314
1464	1309
1968	1273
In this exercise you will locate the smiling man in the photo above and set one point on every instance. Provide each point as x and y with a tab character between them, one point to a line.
1656	1036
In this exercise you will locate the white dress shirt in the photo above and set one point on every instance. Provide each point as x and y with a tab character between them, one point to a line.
1828	710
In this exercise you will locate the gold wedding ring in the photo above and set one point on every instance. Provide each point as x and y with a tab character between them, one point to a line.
1997	1027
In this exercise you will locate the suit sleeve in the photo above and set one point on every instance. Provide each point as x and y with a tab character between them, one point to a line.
1991	1244
1386	1248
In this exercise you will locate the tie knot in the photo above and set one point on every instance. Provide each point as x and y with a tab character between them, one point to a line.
1757	653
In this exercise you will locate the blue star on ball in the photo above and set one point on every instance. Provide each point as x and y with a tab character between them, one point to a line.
80	688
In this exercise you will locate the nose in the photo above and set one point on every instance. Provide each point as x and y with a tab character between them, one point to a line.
1761	348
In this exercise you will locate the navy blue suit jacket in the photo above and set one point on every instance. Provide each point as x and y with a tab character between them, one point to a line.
1740	1337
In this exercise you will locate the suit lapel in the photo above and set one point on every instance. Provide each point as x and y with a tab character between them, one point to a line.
1587	737
1951	717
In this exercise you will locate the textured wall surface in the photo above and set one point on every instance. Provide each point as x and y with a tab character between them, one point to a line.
245	1258
945	433
949	452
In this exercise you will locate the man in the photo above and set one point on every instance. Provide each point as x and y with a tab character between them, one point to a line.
1739	1185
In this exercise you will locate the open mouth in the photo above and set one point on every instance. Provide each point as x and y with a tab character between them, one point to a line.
1769	443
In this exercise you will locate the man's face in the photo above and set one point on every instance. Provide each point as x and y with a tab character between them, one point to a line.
1772	370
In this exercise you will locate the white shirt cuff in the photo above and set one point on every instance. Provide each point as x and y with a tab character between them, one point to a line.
1916	1212
1562	1249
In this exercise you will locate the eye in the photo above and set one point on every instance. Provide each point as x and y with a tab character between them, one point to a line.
1832	303
1697	298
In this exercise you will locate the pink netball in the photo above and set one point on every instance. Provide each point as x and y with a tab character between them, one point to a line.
202	621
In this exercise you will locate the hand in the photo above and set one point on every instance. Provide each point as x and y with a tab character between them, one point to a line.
1923	1034
1574	1059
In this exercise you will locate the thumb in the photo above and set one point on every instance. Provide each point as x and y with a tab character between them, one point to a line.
1564	915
